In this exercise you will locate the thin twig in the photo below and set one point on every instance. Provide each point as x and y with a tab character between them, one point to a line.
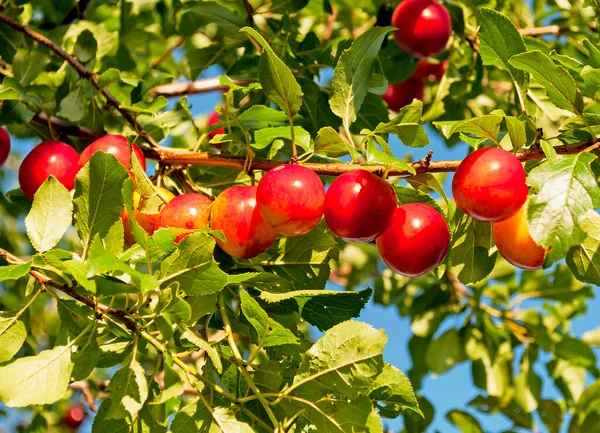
83	73
76	12
193	87
178	42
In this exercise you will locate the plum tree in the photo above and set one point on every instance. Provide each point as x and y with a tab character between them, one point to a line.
348	125
50	158
291	198
489	185
236	214
416	242
4	146
424	27
359	206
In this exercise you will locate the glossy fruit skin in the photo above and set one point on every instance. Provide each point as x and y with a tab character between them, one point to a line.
290	198
401	94
359	206
235	213
149	222
4	146
48	158
116	145
74	417
186	211
515	243
489	185
416	242
213	120
430	71
424	27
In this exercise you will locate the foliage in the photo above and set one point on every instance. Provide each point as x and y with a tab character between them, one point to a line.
183	338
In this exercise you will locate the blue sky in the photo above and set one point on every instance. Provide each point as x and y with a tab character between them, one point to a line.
451	390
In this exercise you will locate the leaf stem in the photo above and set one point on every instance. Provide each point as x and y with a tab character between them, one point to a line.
240	362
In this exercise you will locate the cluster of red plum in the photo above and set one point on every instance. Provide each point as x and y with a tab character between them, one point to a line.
424	28
290	200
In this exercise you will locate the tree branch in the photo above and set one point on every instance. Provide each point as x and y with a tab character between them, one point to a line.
178	42
171	156
193	87
65	128
76	12
551	30
83	73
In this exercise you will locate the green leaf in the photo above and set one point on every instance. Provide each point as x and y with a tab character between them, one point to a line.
269	332
444	352
565	189
464	421
344	362
264	137
551	414
86	46
13	331
592	337
589	400
559	84
50	215
201	14
15	113
28	64
344	416
576	352
516	131
195	417
193	267
102	262
470	252
487	127
353	72
72	106
407	126
129	391
98	200
303	260
204	345
199	59
321	308
394	390
40	379
261	116
500	40
584	259
376	156
277	80
14	272
329	143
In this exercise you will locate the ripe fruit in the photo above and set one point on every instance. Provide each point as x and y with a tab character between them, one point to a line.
4	146
359	206
48	158
116	145
401	94
424	27
430	71
515	243
186	211
416	242
235	213
489	185
290	198
147	221
74	417
213	120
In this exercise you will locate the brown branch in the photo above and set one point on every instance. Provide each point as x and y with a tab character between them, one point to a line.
551	30
76	12
178	42
250	13
65	128
100	309
83	73
171	156
190	88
